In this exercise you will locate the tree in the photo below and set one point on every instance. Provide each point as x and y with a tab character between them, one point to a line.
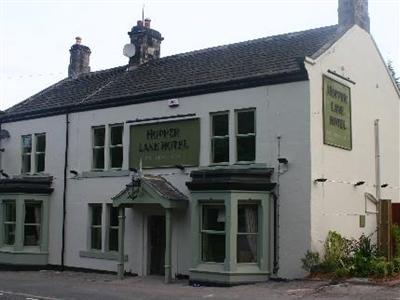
393	73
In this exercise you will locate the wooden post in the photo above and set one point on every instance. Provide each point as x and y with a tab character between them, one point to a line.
167	265
121	234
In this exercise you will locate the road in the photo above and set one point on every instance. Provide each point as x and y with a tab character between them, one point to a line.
52	285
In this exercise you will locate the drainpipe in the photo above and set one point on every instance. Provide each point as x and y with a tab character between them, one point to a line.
65	191
276	212
377	177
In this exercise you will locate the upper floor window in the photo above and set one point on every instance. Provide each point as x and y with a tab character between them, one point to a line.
26	153
40	152
116	146
220	137
245	135
33	153
99	134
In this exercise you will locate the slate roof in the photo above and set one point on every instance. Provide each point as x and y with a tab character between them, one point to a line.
269	60
164	188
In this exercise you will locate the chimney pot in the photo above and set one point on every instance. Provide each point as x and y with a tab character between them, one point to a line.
79	59
147	22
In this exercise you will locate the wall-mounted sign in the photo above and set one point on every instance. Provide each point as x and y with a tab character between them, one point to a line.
165	144
337	114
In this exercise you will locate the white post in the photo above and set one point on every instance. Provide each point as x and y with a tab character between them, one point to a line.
121	234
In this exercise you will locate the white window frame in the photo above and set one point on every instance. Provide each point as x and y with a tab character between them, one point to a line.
110	146
37	153
23	154
5	222
97	226
110	227
98	147
39	242
238	135
257	234
219	137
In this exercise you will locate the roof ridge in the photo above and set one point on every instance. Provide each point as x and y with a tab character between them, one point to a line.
246	42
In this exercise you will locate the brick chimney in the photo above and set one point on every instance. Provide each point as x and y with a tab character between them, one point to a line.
79	61
353	12
147	43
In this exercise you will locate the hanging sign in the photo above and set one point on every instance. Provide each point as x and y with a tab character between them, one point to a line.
337	114
165	144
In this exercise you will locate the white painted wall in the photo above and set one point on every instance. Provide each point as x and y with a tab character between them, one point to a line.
54	127
336	205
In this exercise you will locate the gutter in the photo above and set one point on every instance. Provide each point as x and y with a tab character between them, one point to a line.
64	209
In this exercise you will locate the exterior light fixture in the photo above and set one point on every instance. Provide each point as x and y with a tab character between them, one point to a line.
320	180
1	149
2	173
358	183
180	167
384	185
283	160
74	172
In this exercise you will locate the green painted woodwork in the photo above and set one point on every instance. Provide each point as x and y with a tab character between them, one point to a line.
18	253
337	114
121	241
146	195
165	144
101	255
231	272
168	246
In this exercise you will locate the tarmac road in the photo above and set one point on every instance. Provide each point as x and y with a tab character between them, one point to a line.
52	285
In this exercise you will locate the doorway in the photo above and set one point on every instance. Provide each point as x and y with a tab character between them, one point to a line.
156	245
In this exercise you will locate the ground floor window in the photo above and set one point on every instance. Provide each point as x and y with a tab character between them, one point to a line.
32	223
112	228
213	233
247	235
95	228
9	222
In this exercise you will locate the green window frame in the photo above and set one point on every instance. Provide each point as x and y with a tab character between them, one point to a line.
98	147
212	231
116	147
246	135
26	153
248	239
112	228
32	223
9	222
96	214
40	152
220	137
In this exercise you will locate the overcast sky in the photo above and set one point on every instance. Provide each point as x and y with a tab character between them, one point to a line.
36	35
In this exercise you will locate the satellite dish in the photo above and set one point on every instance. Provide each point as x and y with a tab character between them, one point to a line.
129	50
4	134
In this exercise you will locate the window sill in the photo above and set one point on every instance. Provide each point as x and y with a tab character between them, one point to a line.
106	173
25	250
110	255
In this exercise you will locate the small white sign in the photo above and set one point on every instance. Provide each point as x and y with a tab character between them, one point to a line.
173	102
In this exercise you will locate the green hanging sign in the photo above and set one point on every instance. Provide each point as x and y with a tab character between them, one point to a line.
337	114
165	144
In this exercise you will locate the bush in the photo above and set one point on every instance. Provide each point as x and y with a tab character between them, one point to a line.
335	249
311	261
396	239
390	268
379	267
396	265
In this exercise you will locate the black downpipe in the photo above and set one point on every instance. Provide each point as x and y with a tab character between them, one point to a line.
65	190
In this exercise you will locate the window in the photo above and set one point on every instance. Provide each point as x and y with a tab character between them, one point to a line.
33	216
98	147
95	228
9	222
26	153
40	152
247	236
220	137
113	228
213	233
116	147
245	136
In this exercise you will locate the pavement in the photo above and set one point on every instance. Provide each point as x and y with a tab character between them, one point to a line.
53	285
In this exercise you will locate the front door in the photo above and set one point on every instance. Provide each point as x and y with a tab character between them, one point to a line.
156	229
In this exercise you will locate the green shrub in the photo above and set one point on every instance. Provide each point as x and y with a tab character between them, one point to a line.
396	265
341	272
379	267
396	238
335	249
390	268
311	261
